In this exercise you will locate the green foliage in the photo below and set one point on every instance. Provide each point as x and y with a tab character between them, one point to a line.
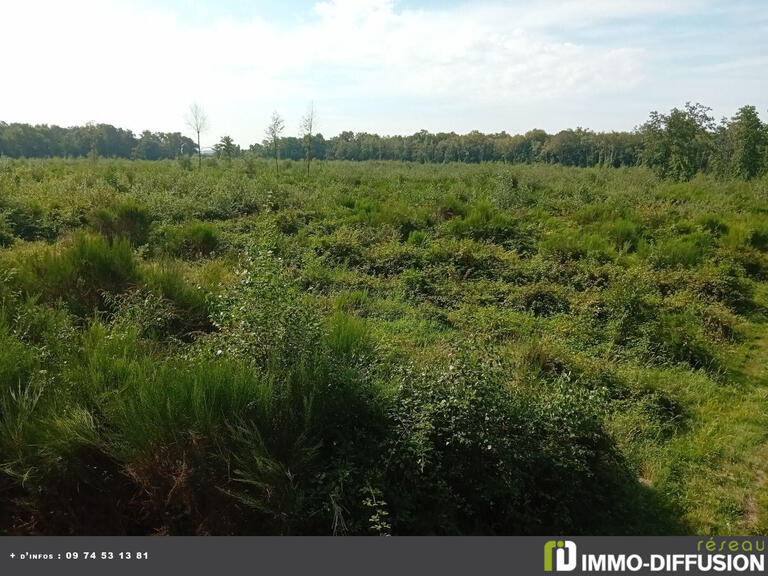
347	335
79	274
748	134
678	145
188	240
726	284
570	245
383	348
542	299
624	234
417	238
189	304
474	451
686	251
6	232
679	338
31	221
484	221
124	219
758	239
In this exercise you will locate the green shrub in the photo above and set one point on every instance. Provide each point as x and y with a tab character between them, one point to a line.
473	452
185	163
758	239
416	284
190	240
417	238
473	259
542	299
624	234
17	361
290	222
679	338
344	246
407	219
79	274
189	302
451	206
124	219
33	222
630	303
387	259
755	263
484	221
571	245
726	284
687	251
714	225
348	335
351	300
6	232
263	317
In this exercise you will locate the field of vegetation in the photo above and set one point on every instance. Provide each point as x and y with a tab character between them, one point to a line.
380	348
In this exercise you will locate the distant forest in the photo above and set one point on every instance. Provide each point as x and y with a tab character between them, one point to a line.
676	145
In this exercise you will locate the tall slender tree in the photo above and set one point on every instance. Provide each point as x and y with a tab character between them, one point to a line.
274	130
748	135
197	120
307	127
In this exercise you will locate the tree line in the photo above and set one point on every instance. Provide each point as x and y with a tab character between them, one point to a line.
676	145
44	141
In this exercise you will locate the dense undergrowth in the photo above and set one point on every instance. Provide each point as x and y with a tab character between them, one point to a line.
380	349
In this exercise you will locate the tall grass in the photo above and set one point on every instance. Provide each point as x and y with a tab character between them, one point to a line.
379	348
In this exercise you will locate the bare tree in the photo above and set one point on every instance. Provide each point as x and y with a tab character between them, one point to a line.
307	126
197	121
274	130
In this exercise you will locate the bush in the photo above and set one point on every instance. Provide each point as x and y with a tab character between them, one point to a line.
6	232
33	222
344	246
190	240
726	284
570	246
451	206
351	300
484	221
714	225
758	239
679	338
79	274
630	304
417	238
687	251
185	163
347	335
542	299
416	284
755	263
624	234
124	219
387	259
190	311
475	456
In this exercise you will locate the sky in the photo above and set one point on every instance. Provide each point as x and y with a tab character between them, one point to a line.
384	66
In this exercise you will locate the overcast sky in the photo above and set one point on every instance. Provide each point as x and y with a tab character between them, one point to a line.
383	66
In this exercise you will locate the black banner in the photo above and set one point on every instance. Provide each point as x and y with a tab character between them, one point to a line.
148	556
